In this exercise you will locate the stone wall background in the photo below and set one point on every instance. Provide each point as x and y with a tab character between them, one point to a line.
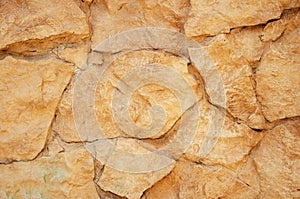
255	46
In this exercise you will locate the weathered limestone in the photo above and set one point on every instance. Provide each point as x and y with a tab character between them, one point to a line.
30	91
234	54
31	26
213	17
143	98
246	142
278	82
64	123
277	159
234	141
111	17
64	175
74	54
190	180
126	184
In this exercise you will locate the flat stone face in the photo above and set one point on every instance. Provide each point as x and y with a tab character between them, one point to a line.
277	160
35	20
191	180
111	17
64	123
145	97
213	17
233	141
64	175
30	91
140	103
234	55
278	82
131	185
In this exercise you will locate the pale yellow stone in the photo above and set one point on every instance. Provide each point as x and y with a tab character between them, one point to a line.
256	78
273	30
145	97
213	17
64	175
64	123
130	184
234	55
74	54
141	100
288	22
277	160
278	82
54	147
113	16
165	188
190	180
233	141
30	91
34	20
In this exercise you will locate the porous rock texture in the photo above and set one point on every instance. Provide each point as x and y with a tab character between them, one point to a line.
244	141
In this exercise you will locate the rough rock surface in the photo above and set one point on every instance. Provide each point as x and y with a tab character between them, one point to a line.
64	124
234	54
34	25
277	159
279	71
127	184
30	92
192	180
65	175
111	17
143	98
243	142
234	142
213	17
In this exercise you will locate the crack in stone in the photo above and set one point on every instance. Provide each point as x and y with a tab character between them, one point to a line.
55	41
86	9
106	194
254	67
182	29
102	193
168	174
49	134
222	109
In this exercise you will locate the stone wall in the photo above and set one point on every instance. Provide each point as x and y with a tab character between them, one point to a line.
227	80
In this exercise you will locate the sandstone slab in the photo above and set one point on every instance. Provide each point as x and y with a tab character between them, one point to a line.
143	98
234	54
190	180
64	175
130	184
30	91
233	141
64	124
287	23
111	17
213	17
27	23
277	159
277	77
